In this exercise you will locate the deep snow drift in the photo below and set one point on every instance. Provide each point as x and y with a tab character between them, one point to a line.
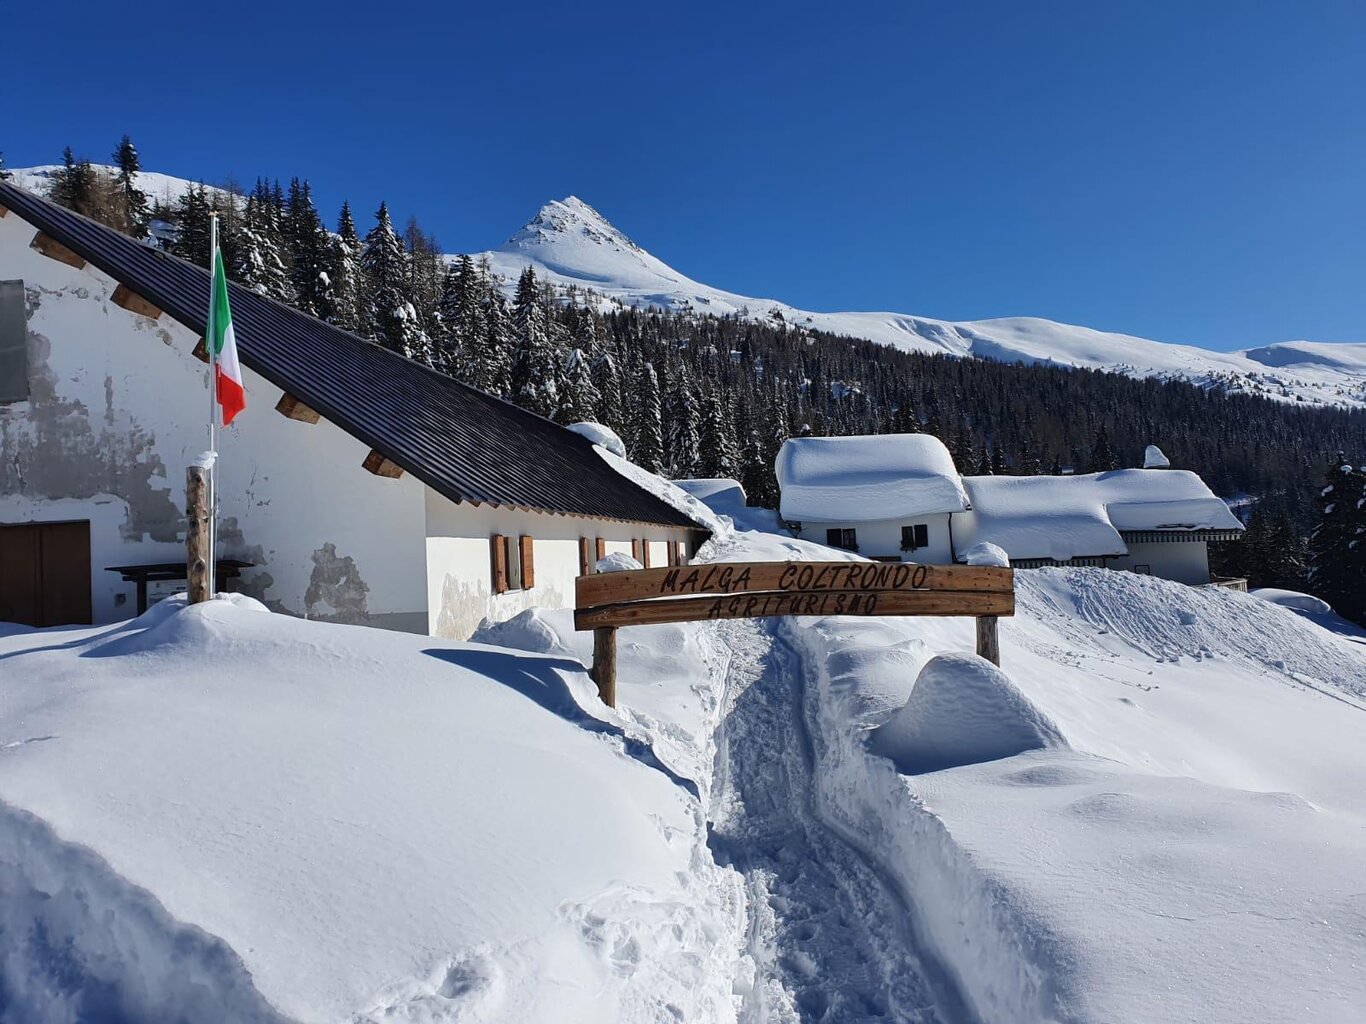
1156	811
217	813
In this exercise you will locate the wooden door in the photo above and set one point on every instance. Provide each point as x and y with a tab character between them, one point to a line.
45	573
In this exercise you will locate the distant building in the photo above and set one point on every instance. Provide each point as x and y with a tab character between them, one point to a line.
900	497
357	487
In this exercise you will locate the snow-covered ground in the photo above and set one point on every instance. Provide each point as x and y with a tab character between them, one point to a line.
1155	812
571	244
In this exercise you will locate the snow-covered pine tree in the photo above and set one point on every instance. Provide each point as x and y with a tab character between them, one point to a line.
390	318
1337	547
75	185
192	216
998	460
984	466
1103	457
536	365
580	399
682	425
131	201
491	363
719	455
647	438
4	174
257	263
607	380
344	270
309	248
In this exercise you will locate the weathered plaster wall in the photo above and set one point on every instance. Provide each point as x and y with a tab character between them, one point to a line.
117	408
459	567
882	538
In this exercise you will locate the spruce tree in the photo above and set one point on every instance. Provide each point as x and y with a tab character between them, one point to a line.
131	200
1337	547
390	318
309	252
580	399
647	438
536	364
4	174
607	380
192	216
682	426
257	263
491	364
345	273
719	455
1103	457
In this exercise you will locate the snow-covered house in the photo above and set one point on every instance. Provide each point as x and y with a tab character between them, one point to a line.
357	487
899	496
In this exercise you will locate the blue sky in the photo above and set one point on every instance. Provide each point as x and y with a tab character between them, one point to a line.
1186	171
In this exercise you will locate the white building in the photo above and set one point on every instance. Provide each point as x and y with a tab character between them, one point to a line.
900	497
357	487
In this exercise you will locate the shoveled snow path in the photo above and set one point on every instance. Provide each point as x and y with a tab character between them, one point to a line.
829	934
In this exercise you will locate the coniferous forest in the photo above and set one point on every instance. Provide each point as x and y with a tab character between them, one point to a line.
695	395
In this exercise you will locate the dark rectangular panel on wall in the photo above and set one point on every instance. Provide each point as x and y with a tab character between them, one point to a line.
66	573
13	343
20	593
45	573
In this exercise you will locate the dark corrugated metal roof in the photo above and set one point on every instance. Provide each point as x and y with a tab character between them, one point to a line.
465	444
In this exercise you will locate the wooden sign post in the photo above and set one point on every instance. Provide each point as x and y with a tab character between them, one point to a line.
738	590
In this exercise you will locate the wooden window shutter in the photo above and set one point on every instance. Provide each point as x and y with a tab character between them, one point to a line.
635	551
584	552
499	553
524	544
601	550
645	552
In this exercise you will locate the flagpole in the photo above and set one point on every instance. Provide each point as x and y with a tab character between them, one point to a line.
211	344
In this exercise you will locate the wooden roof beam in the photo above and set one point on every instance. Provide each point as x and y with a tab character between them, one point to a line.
380	466
134	303
54	249
290	406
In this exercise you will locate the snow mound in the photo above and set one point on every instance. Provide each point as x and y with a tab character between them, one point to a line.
669	493
1154	458
212	813
986	553
618	561
963	710
1293	600
603	437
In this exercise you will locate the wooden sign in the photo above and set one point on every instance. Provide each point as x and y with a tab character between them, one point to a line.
734	590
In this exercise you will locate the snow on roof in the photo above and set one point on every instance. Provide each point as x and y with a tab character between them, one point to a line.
713	489
1065	517
860	479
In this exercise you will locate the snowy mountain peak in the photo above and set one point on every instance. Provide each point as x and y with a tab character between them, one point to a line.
569	220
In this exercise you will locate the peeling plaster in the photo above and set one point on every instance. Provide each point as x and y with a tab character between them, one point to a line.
53	450
336	592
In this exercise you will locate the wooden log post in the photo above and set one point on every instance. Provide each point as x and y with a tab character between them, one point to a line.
988	641
605	664
197	532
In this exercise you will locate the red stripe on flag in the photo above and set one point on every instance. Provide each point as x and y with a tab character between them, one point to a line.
231	396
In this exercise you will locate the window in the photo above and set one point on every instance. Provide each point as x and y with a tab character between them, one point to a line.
847	540
513	564
13	343
915	537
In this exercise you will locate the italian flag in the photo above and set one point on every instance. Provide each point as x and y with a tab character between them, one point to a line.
232	397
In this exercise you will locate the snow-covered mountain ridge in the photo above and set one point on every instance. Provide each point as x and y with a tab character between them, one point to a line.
571	244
